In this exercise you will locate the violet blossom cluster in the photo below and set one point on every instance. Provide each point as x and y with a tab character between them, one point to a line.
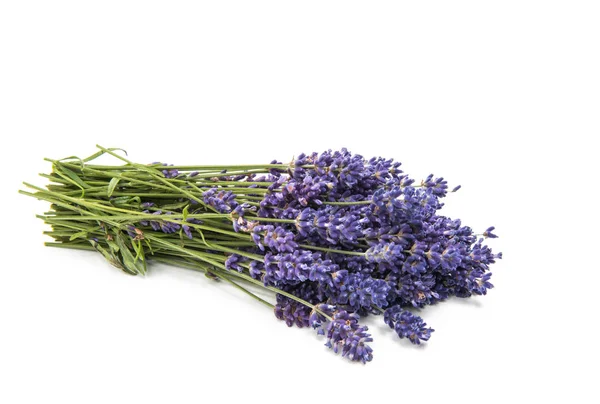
350	237
404	252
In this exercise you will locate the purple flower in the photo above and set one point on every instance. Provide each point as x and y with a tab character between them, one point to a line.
384	252
488	233
168	173
438	185
279	239
399	234
360	292
305	222
288	267
408	254
233	262
292	311
317	319
169	227
482	284
187	231
345	335
131	231
222	201
153	223
305	191
257	269
407	325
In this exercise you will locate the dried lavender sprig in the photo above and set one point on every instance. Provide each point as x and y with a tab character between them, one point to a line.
418	252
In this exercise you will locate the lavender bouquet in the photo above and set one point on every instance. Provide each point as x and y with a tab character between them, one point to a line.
334	236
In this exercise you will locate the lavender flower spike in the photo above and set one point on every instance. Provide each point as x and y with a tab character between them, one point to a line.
345	335
407	325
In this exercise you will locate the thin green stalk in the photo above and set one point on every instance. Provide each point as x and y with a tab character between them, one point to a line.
196	168
198	267
157	177
220	275
230	173
379	308
108	219
281	292
240	275
72	246
147	216
234	243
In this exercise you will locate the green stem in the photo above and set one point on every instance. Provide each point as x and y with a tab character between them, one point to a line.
198	267
157	177
193	167
240	275
70	246
281	292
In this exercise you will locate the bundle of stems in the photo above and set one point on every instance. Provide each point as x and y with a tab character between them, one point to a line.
93	207
334	236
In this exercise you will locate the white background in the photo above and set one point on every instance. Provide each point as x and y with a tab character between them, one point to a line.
501	97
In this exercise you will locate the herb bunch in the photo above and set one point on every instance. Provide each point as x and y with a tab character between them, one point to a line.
334	236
